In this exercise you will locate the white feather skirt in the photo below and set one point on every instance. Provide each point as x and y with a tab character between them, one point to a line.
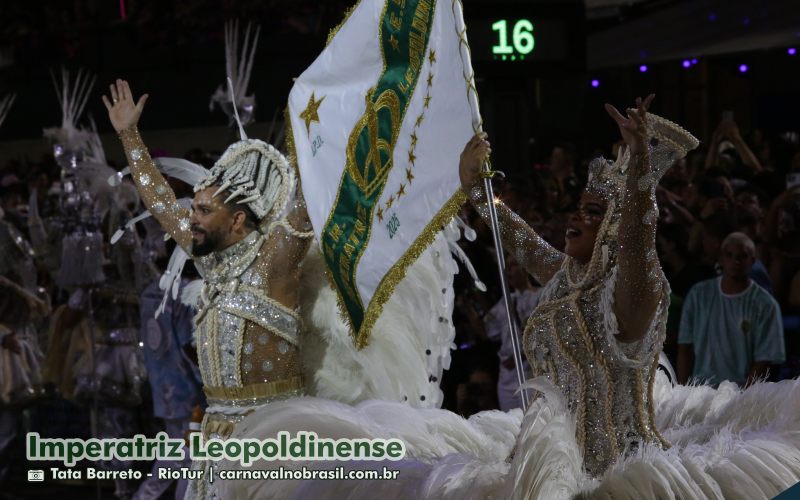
727	444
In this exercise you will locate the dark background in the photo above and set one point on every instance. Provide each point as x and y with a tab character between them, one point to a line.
174	50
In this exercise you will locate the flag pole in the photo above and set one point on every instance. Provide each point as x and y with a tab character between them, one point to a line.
487	175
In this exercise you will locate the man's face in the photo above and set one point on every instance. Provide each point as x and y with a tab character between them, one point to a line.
211	222
736	260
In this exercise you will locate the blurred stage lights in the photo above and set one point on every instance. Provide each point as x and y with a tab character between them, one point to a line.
743	68
643	68
595	83
791	51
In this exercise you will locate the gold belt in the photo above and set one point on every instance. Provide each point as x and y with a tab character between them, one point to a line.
255	391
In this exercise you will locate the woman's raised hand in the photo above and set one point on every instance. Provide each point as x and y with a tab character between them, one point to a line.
475	154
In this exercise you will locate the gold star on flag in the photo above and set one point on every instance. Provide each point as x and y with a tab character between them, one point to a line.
311	113
394	42
419	120
427	100
390	201
413	139
430	79
401	191
409	175
432	56
411	157
380	214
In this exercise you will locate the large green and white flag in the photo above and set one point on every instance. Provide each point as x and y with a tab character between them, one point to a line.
378	123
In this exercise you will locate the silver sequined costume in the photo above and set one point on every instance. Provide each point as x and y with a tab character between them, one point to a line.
247	341
570	337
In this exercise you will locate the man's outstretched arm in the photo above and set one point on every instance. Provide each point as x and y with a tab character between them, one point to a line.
156	193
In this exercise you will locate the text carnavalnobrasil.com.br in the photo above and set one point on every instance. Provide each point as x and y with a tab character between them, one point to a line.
302	446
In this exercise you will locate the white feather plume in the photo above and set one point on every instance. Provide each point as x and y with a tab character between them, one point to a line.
185	170
5	105
238	68
72	97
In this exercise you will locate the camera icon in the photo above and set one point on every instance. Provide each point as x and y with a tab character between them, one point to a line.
35	476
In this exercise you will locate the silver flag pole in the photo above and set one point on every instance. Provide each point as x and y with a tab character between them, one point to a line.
501	265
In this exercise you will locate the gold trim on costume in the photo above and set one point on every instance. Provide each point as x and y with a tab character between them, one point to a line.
253	391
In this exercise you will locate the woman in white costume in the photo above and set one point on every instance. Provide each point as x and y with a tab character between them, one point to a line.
604	423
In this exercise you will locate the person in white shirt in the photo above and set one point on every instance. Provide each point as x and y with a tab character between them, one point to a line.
524	298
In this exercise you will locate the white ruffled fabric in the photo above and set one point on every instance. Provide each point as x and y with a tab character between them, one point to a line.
727	444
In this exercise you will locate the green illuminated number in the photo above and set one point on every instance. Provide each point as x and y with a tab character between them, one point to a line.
503	47
523	37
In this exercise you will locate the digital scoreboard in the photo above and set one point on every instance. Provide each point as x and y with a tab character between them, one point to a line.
522	40
522	33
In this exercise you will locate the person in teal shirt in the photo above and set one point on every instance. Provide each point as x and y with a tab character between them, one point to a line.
730	327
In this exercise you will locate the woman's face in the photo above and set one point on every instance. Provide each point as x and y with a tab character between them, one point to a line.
582	227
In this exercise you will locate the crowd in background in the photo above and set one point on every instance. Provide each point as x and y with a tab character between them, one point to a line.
735	182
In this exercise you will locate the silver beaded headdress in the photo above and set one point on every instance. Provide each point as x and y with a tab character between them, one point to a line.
255	174
668	142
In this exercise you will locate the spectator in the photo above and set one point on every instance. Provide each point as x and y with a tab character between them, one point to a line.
524	298
730	327
729	151
175	382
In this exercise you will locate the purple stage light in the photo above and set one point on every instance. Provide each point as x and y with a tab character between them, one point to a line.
791	51
643	68
743	68
595	83
687	63
694	61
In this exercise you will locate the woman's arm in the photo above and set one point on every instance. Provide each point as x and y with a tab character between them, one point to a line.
637	289
538	257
